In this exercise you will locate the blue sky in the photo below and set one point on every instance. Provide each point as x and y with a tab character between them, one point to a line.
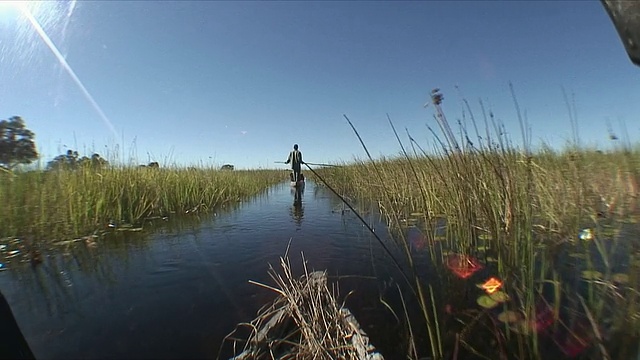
209	82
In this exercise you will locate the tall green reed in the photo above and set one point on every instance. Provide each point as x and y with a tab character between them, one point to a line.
64	203
528	205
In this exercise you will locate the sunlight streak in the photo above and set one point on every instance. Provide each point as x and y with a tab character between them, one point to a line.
43	35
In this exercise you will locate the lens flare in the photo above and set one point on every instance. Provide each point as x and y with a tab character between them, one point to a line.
463	265
63	62
492	285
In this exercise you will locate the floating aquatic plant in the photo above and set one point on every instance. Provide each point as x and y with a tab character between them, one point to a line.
509	317
487	302
620	278
591	275
499	296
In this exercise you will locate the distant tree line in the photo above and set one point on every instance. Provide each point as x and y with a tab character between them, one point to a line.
72	161
18	147
152	164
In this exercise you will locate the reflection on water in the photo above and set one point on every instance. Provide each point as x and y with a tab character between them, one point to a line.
180	286
297	210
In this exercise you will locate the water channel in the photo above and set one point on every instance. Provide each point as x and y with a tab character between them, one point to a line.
179	287
176	289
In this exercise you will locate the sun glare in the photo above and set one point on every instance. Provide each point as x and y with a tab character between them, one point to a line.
10	8
6	5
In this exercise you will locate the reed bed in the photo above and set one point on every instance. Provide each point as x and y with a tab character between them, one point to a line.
555	229
60	204
567	186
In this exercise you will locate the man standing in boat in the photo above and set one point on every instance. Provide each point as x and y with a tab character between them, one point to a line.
295	158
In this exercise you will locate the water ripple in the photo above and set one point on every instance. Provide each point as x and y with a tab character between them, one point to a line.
178	291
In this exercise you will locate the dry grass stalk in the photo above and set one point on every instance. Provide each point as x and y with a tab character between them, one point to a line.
305	321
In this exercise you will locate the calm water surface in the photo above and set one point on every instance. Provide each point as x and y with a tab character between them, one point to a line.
176	290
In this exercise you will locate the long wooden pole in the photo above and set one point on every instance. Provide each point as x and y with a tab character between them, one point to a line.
308	163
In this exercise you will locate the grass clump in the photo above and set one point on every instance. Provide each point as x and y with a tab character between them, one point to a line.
58	204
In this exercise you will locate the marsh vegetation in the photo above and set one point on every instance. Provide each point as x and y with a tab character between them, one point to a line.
60	204
536	251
